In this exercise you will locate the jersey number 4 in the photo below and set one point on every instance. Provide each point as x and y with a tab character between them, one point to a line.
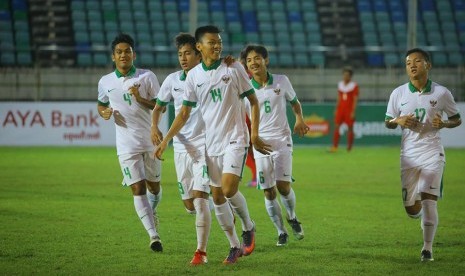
127	98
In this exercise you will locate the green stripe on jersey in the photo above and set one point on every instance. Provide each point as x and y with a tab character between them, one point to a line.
247	93
161	103
103	104
294	101
187	103
387	118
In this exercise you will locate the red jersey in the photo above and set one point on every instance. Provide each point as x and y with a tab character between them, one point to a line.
347	93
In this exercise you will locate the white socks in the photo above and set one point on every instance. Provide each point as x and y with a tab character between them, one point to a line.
202	222
145	213
239	206
274	211
154	199
225	218
429	222
289	203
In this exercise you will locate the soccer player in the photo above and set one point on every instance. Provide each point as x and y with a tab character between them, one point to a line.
219	90
189	145
128	94
345	108
275	170
418	107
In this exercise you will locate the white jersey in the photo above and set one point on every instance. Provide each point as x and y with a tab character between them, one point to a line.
219	91
132	120
273	99
192	135
422	145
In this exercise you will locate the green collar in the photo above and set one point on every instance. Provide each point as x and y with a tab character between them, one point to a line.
257	85
413	89
131	72
215	65
183	76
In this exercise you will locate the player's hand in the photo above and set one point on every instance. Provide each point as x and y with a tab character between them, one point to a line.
229	60
106	113
352	115
301	128
159	150
407	121
156	135
134	90
438	122
261	146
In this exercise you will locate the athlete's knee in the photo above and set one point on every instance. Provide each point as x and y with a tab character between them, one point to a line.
414	211
270	193
153	187
284	187
218	196
138	188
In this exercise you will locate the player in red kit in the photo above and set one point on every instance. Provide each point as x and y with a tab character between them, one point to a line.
345	108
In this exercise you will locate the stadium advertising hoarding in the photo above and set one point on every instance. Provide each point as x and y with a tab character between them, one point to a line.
56	124
369	127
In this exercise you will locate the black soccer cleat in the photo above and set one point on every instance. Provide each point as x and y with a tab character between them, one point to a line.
426	256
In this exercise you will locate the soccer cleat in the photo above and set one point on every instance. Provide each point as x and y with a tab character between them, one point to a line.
282	239
199	258
426	256
332	150
155	244
234	254
248	241
296	228
252	184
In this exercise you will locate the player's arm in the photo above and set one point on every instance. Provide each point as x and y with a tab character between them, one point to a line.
176	126
300	128
104	110
453	121
257	142
156	135
354	106
134	90
338	99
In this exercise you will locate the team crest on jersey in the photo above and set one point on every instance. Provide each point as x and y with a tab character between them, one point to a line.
433	103
226	79
277	91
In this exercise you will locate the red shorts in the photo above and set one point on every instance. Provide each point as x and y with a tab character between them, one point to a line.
343	116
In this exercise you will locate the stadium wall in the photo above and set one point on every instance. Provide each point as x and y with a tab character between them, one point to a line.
78	124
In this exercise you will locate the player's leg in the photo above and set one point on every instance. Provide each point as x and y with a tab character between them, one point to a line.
430	186
283	174
410	192
267	182
250	163
201	191
336	134
134	176
153	175
223	211
233	165
350	132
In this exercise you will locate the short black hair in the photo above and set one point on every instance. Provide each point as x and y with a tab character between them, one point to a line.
185	39
260	49
122	38
208	29
349	70
424	53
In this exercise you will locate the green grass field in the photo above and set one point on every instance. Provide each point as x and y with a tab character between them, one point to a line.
63	211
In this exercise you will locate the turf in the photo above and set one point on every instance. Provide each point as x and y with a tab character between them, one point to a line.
63	211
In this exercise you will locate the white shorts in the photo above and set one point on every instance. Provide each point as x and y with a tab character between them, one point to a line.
423	179
192	173
232	161
275	167
140	166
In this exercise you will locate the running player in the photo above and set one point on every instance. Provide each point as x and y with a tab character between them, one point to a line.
418	107
189	145
128	94
345	108
275	170
218	89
